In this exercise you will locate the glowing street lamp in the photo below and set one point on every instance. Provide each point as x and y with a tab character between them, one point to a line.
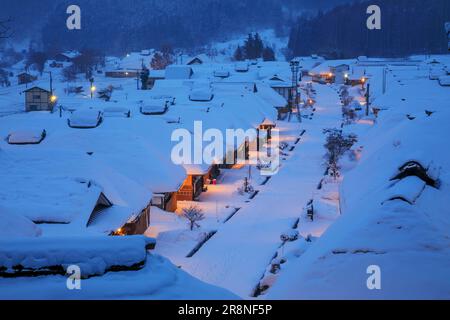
363	81
53	99
93	88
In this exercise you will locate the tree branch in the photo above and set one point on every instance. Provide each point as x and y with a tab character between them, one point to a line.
5	30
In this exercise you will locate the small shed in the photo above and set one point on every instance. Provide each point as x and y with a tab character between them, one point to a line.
241	67
38	99
26	137
85	119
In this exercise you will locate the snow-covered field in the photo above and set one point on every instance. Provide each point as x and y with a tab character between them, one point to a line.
386	210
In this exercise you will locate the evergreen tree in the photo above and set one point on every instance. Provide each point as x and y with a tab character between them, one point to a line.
145	74
268	54
238	54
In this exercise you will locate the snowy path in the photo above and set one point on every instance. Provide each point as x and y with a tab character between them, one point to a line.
237	255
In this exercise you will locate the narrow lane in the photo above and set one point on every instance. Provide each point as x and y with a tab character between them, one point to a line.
236	256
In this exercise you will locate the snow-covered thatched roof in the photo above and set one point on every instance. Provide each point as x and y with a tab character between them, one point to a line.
176	72
85	119
26	137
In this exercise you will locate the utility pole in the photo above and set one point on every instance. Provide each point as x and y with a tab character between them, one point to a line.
91	80
384	79
295	94
367	99
138	72
51	83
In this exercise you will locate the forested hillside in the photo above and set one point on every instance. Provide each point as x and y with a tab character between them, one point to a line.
118	26
408	26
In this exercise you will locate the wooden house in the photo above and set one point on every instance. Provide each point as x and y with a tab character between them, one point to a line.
198	60
137	225
66	56
24	78
122	73
339	73
282	86
196	181
38	99
166	201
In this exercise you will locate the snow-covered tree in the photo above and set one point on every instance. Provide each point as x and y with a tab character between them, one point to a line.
37	59
145	74
5	30
337	143
69	74
4	79
162	59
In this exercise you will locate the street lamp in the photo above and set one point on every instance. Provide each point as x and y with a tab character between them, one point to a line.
93	88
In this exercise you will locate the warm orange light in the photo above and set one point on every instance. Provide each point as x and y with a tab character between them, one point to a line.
53	98
363	80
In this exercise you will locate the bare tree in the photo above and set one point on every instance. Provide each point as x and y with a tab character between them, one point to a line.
69	74
5	30
193	214
37	59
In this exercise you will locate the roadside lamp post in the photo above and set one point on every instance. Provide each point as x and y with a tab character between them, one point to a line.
93	88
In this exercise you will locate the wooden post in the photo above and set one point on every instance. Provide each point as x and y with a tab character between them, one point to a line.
367	99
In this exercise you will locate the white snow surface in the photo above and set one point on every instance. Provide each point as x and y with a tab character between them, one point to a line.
409	242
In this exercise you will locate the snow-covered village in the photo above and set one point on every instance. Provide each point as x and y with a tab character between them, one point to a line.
270	162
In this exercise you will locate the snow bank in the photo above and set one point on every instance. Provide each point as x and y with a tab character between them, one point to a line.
408	240
159	279
444	81
119	112
94	255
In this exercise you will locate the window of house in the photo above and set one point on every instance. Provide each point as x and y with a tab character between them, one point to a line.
36	97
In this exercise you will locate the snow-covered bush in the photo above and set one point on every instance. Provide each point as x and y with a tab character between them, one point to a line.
106	93
290	235
246	187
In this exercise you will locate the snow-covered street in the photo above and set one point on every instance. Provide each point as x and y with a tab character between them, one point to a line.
235	257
